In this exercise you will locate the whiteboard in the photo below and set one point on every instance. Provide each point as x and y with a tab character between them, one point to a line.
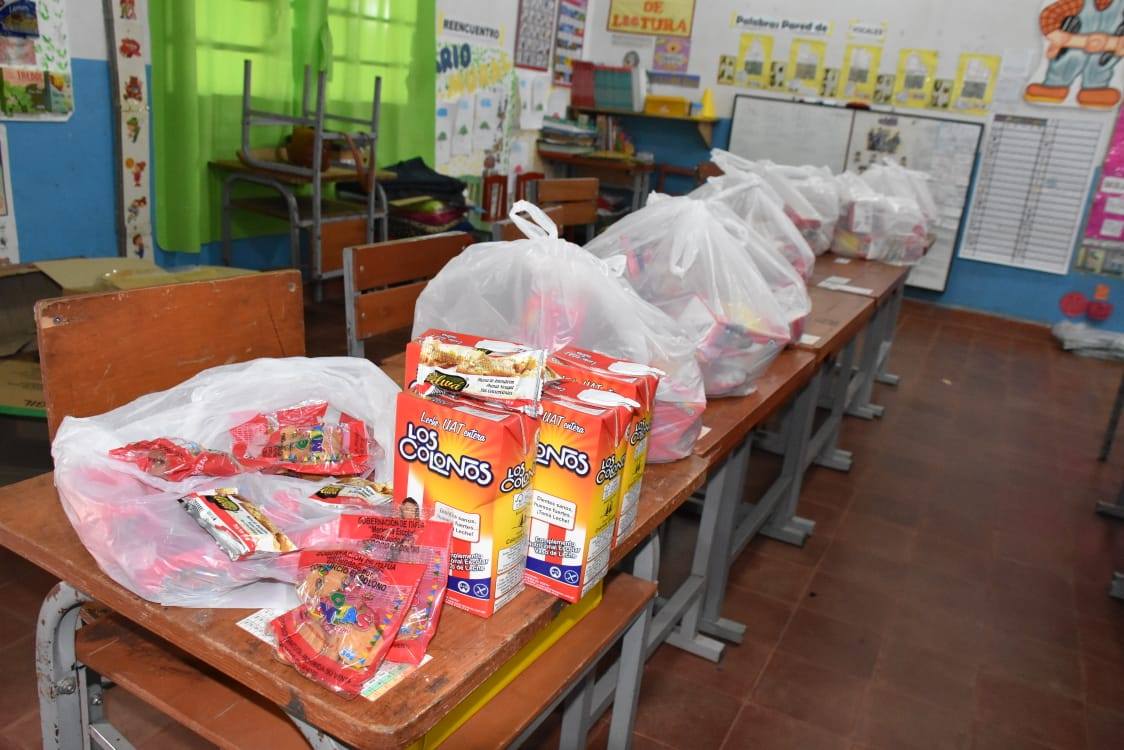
789	132
946	150
792	132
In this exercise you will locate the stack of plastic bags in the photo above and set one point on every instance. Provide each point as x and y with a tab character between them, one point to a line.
689	258
810	195
886	215
765	233
757	204
548	293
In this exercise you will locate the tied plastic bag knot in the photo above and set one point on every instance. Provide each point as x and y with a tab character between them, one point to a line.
540	224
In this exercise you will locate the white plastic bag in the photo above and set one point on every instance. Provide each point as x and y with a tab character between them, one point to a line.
130	520
759	205
766	252
810	197
890	178
549	293
680	254
877	226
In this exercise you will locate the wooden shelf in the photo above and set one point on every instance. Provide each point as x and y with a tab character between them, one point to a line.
705	125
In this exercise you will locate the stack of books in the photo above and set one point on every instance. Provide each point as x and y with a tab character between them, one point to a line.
566	137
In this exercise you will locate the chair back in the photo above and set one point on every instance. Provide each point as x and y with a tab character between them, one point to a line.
382	282
100	351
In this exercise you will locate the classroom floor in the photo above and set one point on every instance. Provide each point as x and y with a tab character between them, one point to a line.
953	595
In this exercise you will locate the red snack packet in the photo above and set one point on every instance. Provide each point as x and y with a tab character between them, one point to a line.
305	439
175	459
416	541
352	607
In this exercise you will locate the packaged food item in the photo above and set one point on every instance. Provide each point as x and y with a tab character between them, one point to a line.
548	293
683	256
408	540
352	607
354	491
238	526
309	438
469	463
175	459
577	487
477	366
632	381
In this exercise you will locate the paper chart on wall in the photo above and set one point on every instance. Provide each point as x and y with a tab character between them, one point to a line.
444	132
860	71
36	71
534	88
486	119
569	39
9	238
976	78
534	33
917	69
463	125
1031	192
755	58
806	66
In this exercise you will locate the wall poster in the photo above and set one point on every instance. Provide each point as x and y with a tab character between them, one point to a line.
1080	63
569	39
976	76
917	70
534	33
664	17
860	71
755	59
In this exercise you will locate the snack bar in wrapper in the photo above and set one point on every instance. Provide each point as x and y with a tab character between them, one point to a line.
353	491
238	526
476	366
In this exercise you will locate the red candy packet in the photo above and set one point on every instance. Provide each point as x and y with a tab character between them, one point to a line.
415	541
305	439
352	607
175	459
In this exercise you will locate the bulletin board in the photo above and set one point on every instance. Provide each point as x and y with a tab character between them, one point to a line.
841	138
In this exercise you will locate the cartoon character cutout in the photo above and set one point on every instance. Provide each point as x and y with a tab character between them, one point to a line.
133	89
132	125
129	10
138	244
136	206
129	47
137	168
1084	43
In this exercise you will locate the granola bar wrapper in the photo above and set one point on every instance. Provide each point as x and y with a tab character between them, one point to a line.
354	492
308	438
478	366
238	526
175	459
352	607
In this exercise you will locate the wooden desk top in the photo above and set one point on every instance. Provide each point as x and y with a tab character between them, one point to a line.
837	317
332	174
731	419
466	649
881	278
583	160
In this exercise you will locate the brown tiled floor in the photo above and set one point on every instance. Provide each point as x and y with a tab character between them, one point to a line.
952	597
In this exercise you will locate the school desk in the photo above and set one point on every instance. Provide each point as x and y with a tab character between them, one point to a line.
638	174
885	284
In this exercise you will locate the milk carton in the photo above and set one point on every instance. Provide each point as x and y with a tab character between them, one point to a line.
469	463
577	487
632	381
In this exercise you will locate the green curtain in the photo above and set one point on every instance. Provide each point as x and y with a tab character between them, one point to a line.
198	48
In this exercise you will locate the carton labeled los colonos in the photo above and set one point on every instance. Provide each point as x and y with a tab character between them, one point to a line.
469	463
632	381
577	487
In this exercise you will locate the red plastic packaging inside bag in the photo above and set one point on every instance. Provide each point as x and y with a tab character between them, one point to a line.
304	439
352	607
409	540
175	459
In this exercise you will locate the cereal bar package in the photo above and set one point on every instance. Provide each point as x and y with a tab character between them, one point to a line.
476	366
352	607
238	526
353	491
632	381
577	487
469	463
175	459
309	438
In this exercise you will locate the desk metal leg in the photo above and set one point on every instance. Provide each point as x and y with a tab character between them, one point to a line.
1113	421
861	386
577	715
1116	587
227	209
895	306
824	449
634	653
57	669
317	739
785	525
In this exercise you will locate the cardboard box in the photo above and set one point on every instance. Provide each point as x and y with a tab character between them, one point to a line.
633	381
577	488
469	463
